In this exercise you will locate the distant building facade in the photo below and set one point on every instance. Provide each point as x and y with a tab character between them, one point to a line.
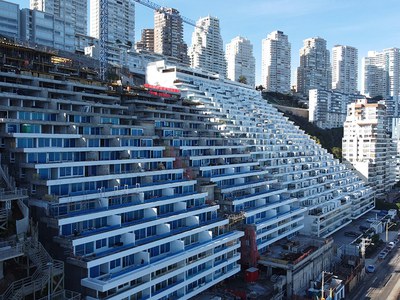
9	19
314	71
46	29
368	147
146	42
396	140
327	108
345	69
168	34
240	60
381	75
207	51
121	21
276	60
72	11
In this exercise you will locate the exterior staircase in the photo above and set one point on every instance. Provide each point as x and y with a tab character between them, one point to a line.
44	276
7	178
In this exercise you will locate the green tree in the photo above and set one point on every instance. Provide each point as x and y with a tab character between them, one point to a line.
242	79
337	152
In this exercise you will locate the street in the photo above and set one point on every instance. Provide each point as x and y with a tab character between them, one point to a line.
384	283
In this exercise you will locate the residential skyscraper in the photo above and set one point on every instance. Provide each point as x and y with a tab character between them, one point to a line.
327	108
381	75
207	51
72	11
275	72
46	29
168	34
374	80
240	60
146	42
345	69
314	71
9	19
121	21
368	147
396	140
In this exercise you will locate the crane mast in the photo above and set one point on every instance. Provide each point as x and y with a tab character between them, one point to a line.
103	37
104	29
155	6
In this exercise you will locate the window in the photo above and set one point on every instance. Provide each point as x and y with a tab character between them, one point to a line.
33	188
44	142
101	243
115	263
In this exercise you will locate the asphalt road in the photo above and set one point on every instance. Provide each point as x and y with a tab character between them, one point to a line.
384	283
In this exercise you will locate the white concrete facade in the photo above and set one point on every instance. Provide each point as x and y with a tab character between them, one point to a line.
45	29
207	49
328	108
240	60
381	75
314	71
396	140
345	69
269	170
73	11
117	200
276	62
368	147
121	21
9	19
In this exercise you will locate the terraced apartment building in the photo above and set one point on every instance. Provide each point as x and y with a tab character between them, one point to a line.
141	190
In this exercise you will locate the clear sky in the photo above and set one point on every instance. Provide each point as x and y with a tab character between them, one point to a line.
364	24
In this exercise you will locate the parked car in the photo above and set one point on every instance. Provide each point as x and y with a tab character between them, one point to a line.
370	268
390	246
382	254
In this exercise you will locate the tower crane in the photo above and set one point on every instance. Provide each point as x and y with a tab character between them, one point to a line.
155	6
104	28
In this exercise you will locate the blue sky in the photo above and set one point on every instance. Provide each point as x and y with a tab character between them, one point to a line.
364	24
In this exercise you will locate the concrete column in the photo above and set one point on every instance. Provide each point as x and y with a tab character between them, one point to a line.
289	283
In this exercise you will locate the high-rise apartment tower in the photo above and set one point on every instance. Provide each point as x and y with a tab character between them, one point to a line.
275	71
367	146
147	40
381	75
207	51
314	71
121	21
168	34
73	11
345	69
241	63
